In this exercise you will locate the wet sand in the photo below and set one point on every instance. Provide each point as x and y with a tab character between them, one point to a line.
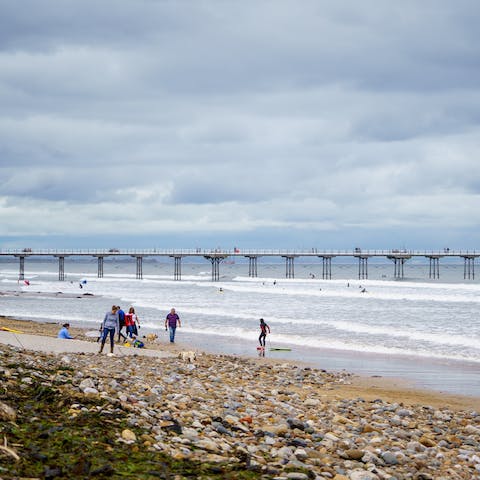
366	387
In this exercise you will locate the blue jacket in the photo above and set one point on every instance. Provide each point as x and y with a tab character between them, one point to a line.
63	333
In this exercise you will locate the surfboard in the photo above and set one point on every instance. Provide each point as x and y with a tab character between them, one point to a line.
5	329
92	333
273	349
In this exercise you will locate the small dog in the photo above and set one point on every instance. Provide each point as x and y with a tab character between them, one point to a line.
189	357
150	337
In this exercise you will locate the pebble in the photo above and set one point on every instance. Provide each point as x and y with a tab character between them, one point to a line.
129	435
274	417
7	413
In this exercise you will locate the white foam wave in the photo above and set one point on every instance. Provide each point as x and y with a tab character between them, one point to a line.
331	344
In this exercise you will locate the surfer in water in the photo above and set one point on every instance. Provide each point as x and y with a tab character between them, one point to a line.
263	332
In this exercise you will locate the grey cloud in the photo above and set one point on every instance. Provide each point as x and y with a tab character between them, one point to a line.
35	26
213	46
313	116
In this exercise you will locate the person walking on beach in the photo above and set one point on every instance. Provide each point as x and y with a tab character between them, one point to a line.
109	325
132	323
121	323
64	333
172	321
263	332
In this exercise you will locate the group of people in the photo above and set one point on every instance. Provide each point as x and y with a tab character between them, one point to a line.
129	321
116	319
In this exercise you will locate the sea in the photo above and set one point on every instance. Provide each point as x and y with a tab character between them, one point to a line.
425	331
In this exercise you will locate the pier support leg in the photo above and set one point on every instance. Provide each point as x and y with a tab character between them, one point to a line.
100	267
434	271
61	269
139	273
252	267
469	268
398	267
326	268
21	273
362	267
177	271
215	268
289	267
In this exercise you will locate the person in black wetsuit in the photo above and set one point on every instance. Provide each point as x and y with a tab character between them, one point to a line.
263	332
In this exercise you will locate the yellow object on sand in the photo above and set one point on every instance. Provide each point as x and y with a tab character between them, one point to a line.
126	344
5	329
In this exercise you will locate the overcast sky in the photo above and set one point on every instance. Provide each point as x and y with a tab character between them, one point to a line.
249	123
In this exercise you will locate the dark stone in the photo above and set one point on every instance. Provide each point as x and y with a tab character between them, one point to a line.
295	423
54	472
41	457
221	429
174	427
297	442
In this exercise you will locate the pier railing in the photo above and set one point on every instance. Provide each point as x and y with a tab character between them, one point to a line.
313	252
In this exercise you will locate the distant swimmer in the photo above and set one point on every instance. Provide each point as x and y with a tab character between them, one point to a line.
363	290
220	290
274	282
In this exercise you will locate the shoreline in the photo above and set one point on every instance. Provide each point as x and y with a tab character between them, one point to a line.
453	372
368	387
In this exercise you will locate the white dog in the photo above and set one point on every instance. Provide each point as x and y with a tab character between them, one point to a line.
151	337
189	357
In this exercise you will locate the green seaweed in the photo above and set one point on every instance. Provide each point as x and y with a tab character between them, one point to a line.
53	444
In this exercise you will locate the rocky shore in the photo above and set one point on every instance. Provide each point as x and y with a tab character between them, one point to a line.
225	417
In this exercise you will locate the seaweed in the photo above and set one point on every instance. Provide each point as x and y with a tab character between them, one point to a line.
52	443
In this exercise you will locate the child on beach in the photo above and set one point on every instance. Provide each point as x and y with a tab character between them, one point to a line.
263	332
132	322
64	333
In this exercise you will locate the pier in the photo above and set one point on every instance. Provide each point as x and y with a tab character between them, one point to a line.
217	256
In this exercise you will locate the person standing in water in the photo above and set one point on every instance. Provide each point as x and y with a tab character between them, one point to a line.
110	324
263	332
172	321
